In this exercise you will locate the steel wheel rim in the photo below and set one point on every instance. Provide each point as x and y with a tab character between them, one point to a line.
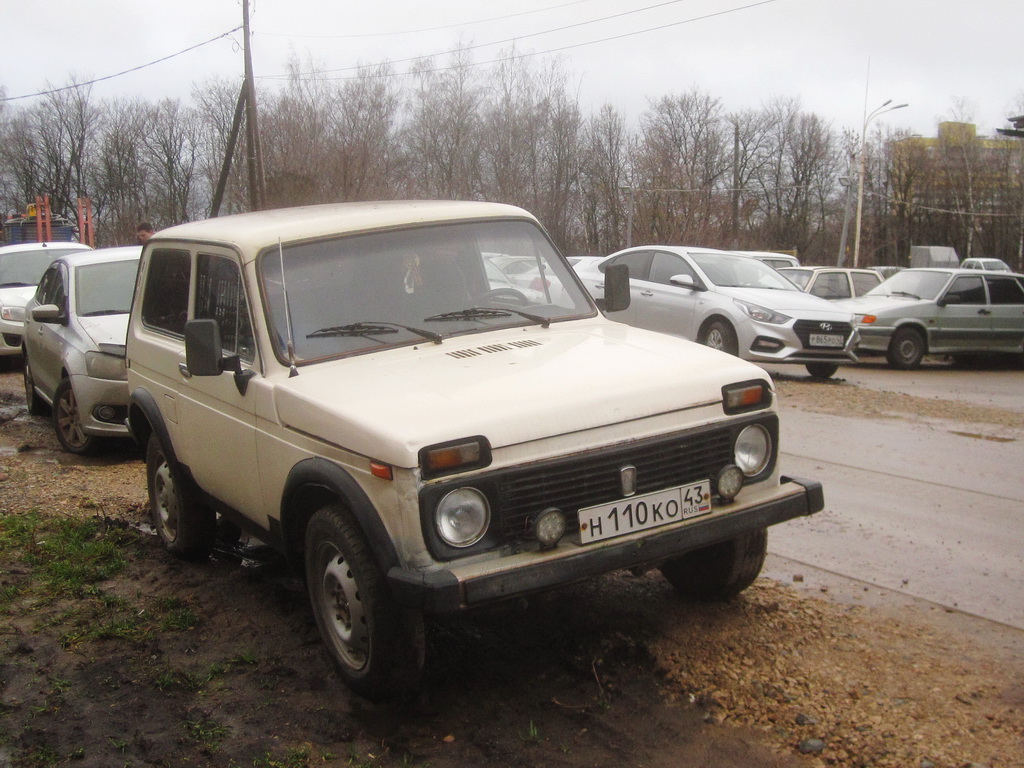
343	610
68	420
165	502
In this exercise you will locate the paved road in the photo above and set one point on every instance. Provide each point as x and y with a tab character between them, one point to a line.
927	509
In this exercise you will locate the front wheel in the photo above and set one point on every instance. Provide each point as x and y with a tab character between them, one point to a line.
721	571
720	335
822	370
377	646
186	527
67	421
906	348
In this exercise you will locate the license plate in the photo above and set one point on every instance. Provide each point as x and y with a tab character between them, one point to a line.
638	513
826	340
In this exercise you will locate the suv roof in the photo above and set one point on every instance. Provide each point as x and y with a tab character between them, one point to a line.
251	231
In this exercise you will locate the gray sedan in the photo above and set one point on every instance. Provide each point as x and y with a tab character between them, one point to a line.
731	302
75	328
959	312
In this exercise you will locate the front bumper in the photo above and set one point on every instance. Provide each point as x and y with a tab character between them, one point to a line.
93	394
442	591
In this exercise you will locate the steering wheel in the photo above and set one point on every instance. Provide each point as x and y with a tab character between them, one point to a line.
509	296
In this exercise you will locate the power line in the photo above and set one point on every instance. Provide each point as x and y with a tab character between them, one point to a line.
535	34
119	74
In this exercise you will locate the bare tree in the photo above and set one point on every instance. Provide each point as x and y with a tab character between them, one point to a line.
604	171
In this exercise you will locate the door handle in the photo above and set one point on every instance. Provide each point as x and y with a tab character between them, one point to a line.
184	371
646	293
984	312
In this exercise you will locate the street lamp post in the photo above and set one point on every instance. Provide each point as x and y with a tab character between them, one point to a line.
860	176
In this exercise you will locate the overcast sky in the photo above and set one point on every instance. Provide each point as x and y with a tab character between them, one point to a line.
945	58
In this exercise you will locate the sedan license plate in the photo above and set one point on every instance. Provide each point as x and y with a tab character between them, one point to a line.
638	513
826	340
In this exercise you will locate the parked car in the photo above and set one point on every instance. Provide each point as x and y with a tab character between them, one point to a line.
832	282
21	266
957	312
731	302
771	258
75	328
341	382
994	265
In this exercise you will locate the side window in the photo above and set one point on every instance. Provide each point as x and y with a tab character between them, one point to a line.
638	262
220	296
666	265
970	290
165	298
862	282
51	287
831	285
1005	290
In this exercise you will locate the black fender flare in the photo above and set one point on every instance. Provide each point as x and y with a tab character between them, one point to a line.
319	481
142	400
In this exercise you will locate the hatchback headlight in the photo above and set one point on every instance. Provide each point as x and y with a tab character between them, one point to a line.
100	365
762	314
753	449
14	314
462	517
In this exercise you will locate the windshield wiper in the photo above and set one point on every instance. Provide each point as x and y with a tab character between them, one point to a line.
372	329
904	293
483	313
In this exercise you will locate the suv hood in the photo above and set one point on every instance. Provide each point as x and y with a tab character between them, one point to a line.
797	303
511	386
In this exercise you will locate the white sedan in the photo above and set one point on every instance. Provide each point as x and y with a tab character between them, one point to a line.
733	303
75	329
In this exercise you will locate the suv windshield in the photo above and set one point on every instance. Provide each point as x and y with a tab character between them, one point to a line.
912	284
366	292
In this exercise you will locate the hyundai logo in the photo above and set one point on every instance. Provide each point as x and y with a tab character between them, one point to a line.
825	326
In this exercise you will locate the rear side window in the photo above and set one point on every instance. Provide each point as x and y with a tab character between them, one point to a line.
165	299
1005	290
863	282
221	297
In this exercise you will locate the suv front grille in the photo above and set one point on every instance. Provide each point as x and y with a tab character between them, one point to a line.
593	478
804	329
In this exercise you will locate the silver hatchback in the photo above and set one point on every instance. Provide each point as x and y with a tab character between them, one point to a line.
731	302
75	327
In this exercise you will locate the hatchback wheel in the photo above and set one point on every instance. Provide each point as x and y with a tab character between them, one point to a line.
67	421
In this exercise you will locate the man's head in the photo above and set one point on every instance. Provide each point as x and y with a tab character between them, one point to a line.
143	232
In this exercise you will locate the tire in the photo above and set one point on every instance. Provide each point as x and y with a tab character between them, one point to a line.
34	403
906	348
821	370
186	527
720	335
377	646
721	571
67	422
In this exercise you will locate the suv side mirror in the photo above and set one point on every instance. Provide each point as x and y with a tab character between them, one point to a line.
616	289
950	298
203	353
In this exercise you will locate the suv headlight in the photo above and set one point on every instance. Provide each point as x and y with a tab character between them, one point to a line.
762	314
753	449
462	517
100	365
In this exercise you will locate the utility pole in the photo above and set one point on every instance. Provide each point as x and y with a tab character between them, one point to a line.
257	190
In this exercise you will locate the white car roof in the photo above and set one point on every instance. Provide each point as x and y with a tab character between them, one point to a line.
252	231
23	247
102	255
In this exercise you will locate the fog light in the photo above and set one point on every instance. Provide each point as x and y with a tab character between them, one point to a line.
730	482
104	413
548	527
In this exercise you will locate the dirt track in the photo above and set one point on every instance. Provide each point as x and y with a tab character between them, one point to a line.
616	671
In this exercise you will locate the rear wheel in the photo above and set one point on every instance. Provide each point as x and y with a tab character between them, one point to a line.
67	421
906	348
377	646
822	370
186	527
720	335
720	571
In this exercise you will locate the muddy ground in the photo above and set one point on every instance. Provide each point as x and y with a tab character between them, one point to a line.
219	664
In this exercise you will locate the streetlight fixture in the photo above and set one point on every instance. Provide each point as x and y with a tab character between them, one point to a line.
880	110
